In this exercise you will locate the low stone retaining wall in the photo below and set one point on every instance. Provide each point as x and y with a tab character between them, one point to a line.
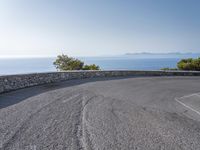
14	82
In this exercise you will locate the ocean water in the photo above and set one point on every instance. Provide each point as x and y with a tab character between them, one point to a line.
132	62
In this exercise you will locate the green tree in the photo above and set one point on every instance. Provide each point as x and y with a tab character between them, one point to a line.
91	67
63	63
168	69
189	64
196	64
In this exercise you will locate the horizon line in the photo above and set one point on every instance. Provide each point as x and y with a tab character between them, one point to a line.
108	55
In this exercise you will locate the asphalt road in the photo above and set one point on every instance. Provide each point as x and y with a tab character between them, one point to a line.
103	114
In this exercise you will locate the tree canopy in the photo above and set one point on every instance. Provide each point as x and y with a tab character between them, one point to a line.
189	64
63	63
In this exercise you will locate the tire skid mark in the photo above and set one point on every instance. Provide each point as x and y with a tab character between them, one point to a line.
24	123
84	137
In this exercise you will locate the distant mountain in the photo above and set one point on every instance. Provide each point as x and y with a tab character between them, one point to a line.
148	55
170	53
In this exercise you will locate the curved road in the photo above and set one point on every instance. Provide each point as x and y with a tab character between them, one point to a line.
103	114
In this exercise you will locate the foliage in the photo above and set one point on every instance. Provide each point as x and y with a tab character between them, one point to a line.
165	69
189	64
91	67
63	62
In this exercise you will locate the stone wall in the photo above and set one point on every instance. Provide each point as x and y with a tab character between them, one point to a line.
14	82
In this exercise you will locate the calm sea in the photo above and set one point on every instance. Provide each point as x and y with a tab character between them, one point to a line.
135	62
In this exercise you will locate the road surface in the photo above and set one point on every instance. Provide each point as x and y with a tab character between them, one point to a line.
103	114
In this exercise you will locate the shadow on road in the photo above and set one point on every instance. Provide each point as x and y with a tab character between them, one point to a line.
14	97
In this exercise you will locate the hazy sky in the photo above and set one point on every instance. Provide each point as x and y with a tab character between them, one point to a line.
98	27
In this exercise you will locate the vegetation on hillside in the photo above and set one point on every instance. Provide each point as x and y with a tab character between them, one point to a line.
63	63
189	64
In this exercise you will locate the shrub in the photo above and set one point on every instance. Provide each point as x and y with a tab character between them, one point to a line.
189	64
63	62
91	67
165	69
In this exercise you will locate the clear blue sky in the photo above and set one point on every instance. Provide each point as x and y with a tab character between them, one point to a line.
98	27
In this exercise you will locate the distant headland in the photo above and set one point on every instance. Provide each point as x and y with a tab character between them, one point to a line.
169	53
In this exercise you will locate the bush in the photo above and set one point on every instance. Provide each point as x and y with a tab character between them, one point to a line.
166	69
63	63
91	67
189	64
